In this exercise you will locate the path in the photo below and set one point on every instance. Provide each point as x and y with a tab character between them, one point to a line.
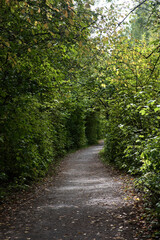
84	202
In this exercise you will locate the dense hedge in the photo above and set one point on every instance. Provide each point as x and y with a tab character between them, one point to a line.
40	116
32	138
132	139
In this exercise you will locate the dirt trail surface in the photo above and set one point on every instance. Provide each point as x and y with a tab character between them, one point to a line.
85	201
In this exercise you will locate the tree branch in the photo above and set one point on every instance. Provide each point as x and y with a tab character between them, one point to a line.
155	65
131	12
153	51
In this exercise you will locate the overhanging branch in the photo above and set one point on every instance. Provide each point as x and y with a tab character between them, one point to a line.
131	12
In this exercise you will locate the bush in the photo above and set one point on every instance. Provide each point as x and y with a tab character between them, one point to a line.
75	126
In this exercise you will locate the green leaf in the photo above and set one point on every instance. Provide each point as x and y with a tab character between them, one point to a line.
143	112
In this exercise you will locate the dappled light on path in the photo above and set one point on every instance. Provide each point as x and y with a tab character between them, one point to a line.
85	201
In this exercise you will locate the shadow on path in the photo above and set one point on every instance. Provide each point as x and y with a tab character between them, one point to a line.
85	201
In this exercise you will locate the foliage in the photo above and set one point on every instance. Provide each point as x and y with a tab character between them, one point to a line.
68	75
132	139
42	106
76	128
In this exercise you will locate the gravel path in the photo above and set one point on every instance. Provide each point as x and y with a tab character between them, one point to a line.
85	201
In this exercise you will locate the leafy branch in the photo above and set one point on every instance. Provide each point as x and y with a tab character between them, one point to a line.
131	12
